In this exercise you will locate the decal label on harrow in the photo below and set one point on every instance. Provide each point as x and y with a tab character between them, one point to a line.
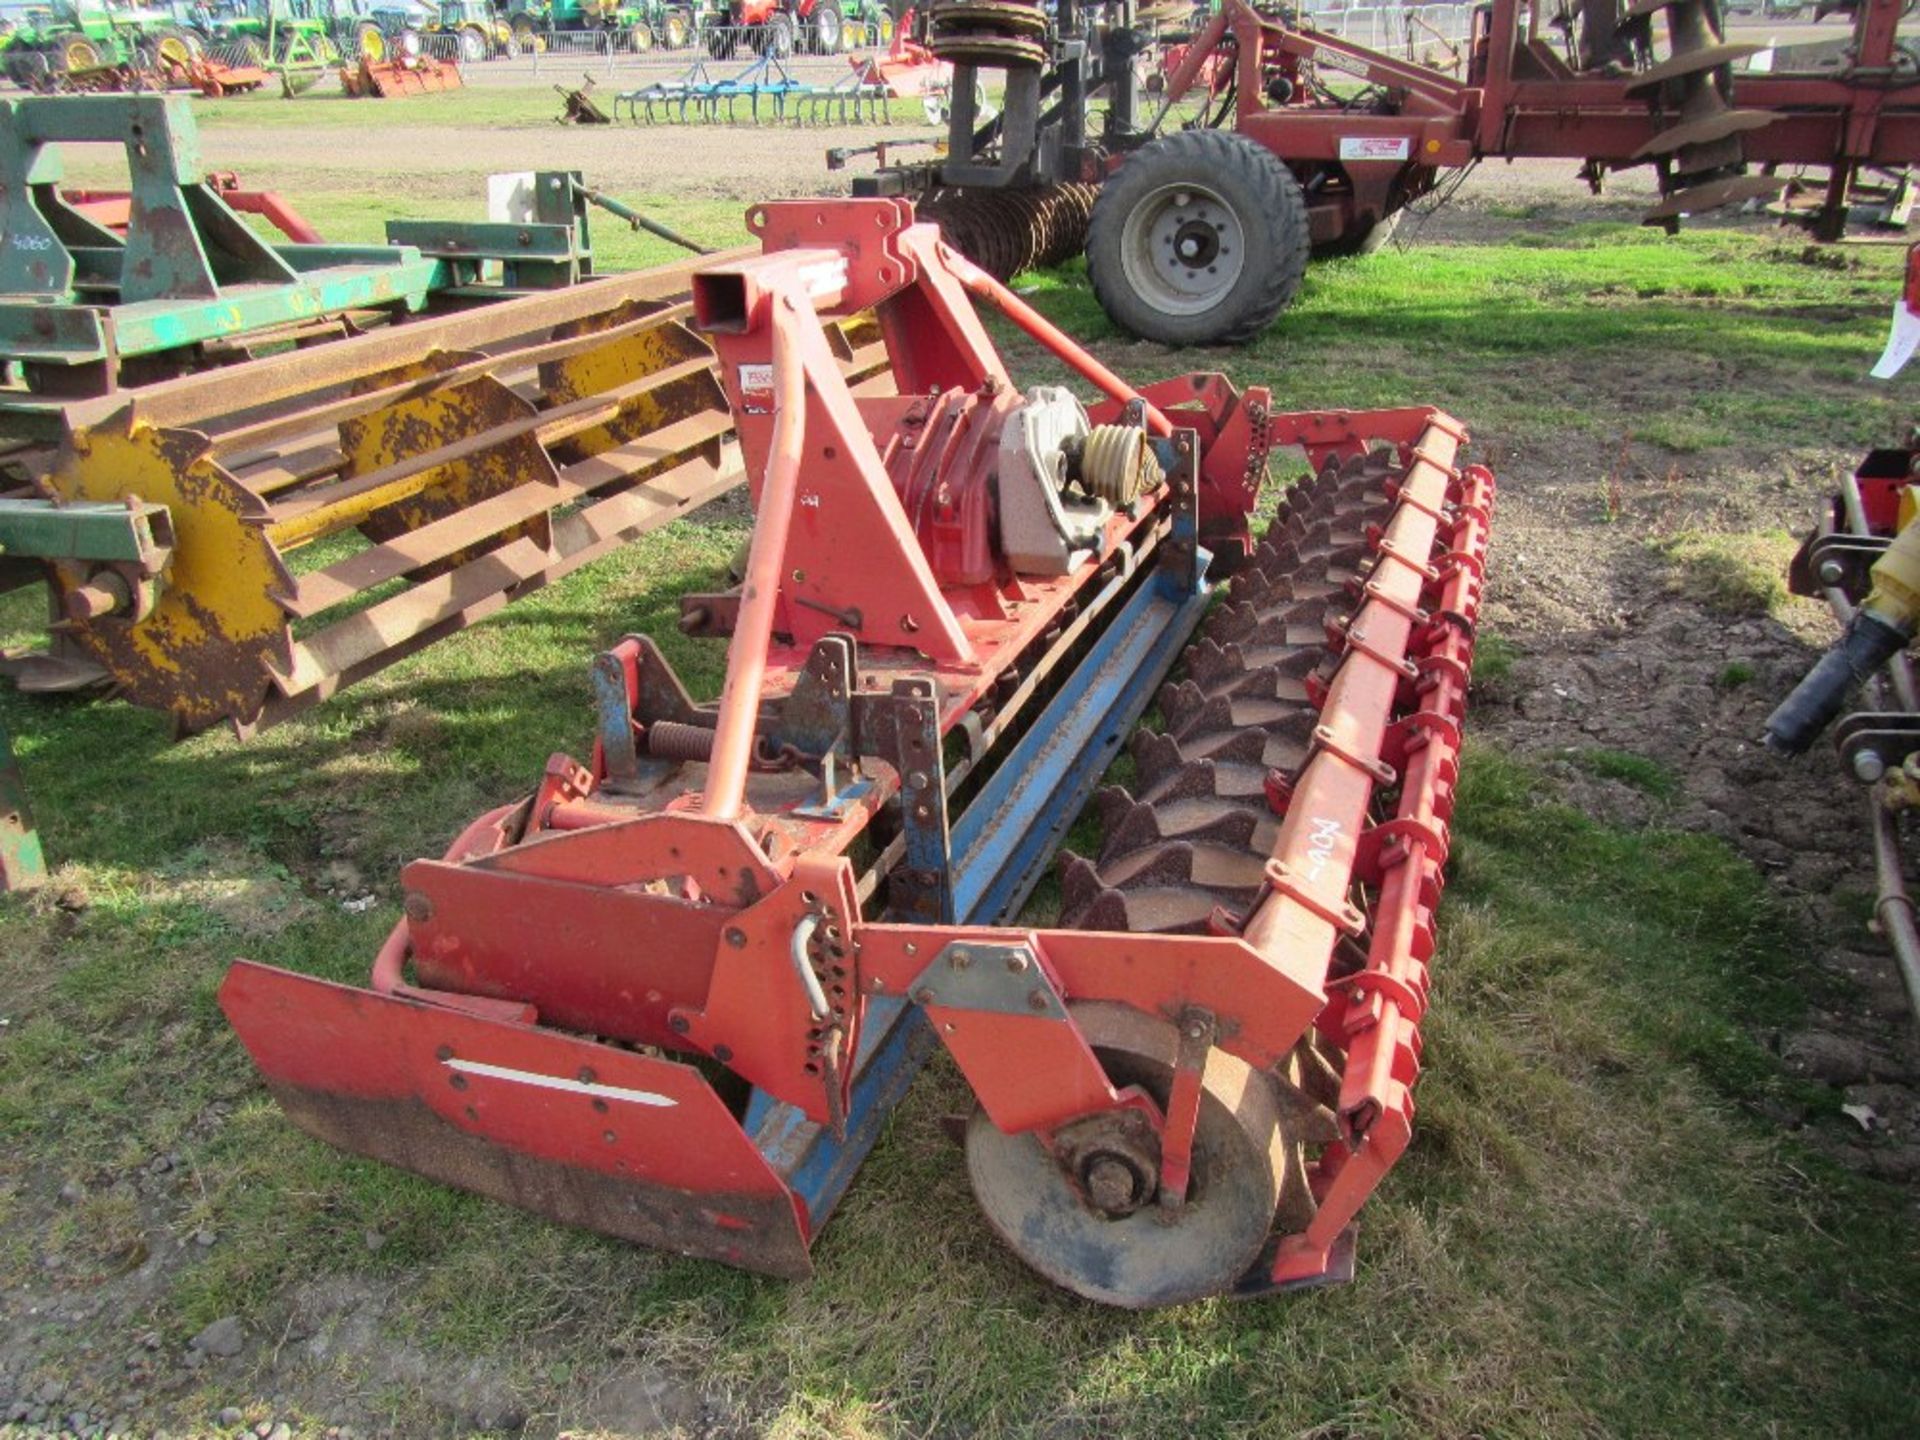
1340	60
559	1082
756	389
1375	147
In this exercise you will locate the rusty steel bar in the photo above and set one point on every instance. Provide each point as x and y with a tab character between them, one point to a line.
1893	906
1057	342
760	594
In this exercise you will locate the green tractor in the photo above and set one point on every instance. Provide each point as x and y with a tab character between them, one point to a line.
646	24
75	36
482	33
297	35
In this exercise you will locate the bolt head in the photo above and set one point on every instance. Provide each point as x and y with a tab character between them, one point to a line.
1868	766
1831	572
418	907
1038	999
923	996
1017	964
736	937
960	960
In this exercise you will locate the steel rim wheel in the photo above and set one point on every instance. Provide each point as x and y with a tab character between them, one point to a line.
1140	1254
1183	249
827	33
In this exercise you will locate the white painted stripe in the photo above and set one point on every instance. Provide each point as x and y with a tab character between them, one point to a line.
557	1082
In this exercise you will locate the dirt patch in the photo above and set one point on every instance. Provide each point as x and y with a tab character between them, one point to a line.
1618	653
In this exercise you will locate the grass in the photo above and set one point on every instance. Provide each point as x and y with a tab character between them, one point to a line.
1737	575
1647	776
1712	340
1598	1231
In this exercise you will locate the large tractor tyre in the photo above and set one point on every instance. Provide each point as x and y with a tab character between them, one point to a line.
640	37
829	29
776	37
369	42
1200	239
77	52
676	29
473	45
176	45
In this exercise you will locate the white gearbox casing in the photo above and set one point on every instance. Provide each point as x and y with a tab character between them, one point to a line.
1042	530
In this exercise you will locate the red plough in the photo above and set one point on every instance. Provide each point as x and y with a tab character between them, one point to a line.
673	994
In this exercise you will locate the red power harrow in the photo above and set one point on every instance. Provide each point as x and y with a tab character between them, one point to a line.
673	994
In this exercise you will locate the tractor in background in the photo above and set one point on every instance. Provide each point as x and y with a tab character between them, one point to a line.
528	19
778	27
480	31
297	34
77	36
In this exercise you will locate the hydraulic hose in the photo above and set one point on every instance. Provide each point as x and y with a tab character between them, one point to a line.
1869	642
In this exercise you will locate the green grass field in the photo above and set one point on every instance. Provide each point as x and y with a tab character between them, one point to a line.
1597	1232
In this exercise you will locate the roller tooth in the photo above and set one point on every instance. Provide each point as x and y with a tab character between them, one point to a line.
1180	704
1210	664
1209	824
1137	828
1155	756
1191	780
1112	803
1079	885
1194	842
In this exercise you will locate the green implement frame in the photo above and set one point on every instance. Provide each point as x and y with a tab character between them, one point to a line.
85	308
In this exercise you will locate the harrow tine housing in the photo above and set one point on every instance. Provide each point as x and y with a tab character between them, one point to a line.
959	597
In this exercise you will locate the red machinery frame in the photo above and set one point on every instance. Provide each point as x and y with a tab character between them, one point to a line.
586	963
1519	99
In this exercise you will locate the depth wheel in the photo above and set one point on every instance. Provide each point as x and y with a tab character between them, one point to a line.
1137	1253
1200	239
372	42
